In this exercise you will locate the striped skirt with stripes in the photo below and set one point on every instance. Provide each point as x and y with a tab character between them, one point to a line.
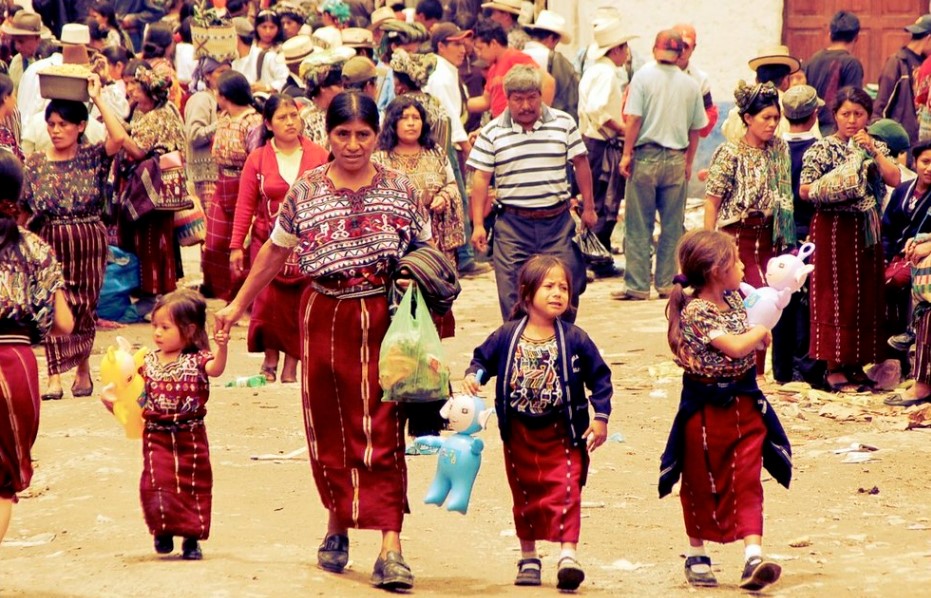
81	247
19	414
721	494
356	441
847	291
215	258
546	474
152	240
177	481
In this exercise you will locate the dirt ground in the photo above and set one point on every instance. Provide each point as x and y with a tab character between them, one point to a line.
79	530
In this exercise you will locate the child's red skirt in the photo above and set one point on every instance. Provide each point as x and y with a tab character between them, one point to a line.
722	495
546	474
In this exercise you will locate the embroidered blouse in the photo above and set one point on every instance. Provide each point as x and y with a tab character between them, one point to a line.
315	125
432	175
230	141
176	391
750	179
534	385
701	322
350	235
66	189
29	278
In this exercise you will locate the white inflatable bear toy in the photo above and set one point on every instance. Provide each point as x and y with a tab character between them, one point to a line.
785	275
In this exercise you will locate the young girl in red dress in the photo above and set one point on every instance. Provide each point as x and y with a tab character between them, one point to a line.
725	430
543	366
177	480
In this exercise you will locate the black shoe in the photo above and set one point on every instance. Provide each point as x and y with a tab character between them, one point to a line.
611	271
392	573
475	269
333	554
704	579
190	550
569	575
758	574
528	572
164	544
902	342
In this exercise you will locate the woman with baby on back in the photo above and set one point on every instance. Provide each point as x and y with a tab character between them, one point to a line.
725	430
543	365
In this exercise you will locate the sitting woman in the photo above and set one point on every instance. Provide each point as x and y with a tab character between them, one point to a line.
32	306
905	217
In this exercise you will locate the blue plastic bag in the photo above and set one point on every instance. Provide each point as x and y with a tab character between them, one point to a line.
119	280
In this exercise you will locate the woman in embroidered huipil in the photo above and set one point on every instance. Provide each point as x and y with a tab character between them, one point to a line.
231	147
351	220
64	191
749	190
847	284
32	305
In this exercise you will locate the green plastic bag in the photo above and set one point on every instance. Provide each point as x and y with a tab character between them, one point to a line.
411	367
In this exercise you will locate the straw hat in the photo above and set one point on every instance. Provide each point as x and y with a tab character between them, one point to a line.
552	22
608	35
380	16
511	6
327	37
297	48
356	37
776	55
23	24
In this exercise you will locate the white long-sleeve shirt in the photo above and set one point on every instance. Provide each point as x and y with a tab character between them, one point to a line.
274	70
444	85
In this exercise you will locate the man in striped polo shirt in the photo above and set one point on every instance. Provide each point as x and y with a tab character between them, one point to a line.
526	149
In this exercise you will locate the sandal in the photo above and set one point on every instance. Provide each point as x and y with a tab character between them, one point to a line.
703	579
528	572
270	372
758	574
53	396
902	400
570	575
844	386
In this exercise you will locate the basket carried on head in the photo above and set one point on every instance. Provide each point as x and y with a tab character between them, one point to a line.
213	35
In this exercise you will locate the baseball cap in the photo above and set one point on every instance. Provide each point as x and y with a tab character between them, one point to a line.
891	133
921	25
687	32
447	32
668	46
358	69
844	22
800	102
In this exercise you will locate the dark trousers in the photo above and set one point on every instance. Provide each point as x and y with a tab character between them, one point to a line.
602	182
790	343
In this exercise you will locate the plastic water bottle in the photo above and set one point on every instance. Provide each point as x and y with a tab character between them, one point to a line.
247	381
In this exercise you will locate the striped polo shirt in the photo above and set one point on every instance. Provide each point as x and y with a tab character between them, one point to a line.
529	166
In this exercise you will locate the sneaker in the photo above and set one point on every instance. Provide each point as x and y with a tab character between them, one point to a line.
190	550
164	544
902	342
333	554
392	573
569	575
758	574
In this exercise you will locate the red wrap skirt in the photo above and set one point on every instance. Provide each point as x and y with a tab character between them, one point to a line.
152	240
274	321
215	258
356	441
721	494
754	238
19	414
177	481
847	291
546	474
81	247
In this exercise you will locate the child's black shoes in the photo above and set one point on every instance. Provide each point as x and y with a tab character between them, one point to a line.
698	572
569	574
758	574
164	544
190	550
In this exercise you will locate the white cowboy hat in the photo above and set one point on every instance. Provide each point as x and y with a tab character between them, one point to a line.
609	34
548	20
511	6
774	56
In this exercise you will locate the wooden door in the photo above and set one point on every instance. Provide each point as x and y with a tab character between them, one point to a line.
806	28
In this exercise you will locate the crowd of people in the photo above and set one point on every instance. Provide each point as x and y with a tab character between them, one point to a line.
340	150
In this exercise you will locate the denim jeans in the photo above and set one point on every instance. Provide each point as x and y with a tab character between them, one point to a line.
657	184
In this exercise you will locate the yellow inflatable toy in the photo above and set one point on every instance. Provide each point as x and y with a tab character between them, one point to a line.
123	393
